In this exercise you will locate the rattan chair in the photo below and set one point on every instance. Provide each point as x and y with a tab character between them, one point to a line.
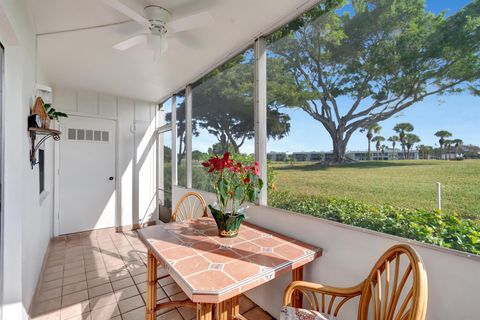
190	206
396	289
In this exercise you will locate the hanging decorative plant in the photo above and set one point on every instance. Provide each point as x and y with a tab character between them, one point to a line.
54	114
234	183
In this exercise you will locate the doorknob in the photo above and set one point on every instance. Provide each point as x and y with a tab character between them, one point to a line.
110	178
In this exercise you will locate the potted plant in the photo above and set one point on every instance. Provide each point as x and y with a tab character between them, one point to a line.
54	114
234	183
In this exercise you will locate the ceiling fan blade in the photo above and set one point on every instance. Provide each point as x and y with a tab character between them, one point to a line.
131	42
191	22
129	12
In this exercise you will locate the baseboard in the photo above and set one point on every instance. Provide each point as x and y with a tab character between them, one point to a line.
134	226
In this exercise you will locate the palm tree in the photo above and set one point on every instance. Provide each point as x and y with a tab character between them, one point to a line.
425	151
458	145
383	151
448	144
421	151
378	146
393	140
442	134
372	129
402	129
410	140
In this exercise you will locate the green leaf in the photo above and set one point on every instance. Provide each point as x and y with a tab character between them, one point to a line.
239	193
223	191
260	183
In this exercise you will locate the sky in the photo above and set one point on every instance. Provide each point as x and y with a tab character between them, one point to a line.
459	114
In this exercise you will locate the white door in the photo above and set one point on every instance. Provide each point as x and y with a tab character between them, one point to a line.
87	174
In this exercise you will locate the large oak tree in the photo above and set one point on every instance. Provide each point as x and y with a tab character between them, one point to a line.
223	105
368	60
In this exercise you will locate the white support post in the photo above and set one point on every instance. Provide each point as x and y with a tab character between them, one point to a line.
174	141
261	114
188	129
160	162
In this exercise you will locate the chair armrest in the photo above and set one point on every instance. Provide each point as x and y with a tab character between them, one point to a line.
310	290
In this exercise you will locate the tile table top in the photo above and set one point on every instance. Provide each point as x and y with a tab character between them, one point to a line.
211	269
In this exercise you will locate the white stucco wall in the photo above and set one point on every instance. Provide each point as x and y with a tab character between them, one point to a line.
135	152
349	254
28	218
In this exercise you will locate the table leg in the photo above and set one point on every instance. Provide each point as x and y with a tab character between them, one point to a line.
151	302
228	309
297	299
204	311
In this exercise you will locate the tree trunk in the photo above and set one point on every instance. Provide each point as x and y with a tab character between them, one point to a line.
179	152
339	146
369	154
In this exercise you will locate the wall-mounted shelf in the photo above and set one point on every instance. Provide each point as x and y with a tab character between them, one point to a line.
45	133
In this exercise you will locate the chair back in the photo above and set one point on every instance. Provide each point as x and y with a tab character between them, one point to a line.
190	206
396	288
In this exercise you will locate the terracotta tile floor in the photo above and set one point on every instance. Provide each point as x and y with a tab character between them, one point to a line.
101	275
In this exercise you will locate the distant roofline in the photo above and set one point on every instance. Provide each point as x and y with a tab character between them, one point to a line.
348	151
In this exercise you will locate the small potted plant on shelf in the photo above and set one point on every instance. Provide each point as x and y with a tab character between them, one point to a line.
234	183
54	114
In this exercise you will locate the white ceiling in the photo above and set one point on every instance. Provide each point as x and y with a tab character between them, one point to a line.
85	59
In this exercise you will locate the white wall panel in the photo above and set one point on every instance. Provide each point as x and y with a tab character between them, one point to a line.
125	161
27	218
145	139
107	105
87	102
65	99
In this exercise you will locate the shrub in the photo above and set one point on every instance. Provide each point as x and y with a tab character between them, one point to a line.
428	226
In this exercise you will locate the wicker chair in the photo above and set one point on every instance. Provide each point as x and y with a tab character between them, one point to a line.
190	206
396	289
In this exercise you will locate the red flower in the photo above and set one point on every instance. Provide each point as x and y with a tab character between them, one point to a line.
246	180
256	169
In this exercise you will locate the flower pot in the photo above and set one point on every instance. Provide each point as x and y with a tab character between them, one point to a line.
227	223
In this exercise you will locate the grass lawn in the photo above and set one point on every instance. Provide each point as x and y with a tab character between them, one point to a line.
407	183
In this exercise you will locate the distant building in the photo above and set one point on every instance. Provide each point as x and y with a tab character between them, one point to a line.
277	156
387	154
308	156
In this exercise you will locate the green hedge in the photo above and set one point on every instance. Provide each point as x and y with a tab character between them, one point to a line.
429	226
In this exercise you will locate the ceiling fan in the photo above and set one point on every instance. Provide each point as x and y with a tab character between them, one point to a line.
157	23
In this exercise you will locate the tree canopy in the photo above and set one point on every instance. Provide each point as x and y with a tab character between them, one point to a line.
223	104
369	60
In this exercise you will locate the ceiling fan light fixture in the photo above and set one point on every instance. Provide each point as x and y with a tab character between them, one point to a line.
158	43
156	21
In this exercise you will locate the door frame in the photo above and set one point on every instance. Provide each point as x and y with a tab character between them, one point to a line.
56	172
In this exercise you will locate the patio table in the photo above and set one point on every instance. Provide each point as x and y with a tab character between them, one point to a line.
214	271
